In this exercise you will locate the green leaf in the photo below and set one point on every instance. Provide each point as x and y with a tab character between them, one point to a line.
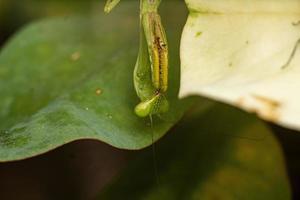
65	79
221	153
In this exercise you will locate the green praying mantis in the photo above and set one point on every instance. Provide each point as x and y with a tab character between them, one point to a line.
151	70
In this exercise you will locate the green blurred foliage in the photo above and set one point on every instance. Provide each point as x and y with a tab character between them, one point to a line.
216	153
16	13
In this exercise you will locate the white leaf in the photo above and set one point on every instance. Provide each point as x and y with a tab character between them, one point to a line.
237	52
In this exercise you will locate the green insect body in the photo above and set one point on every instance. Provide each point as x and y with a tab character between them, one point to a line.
156	69
163	67
159	68
151	70
158	50
155	105
160	44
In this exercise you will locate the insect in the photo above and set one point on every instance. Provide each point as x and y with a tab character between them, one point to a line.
159	56
155	76
151	70
150	75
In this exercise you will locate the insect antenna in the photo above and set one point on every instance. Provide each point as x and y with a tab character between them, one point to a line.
154	151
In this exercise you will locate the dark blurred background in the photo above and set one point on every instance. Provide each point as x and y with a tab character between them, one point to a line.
79	170
75	171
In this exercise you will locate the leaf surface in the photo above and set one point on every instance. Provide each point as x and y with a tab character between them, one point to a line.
70	78
245	53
